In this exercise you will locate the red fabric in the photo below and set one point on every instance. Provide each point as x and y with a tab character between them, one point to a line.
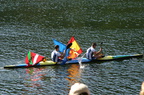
33	59
75	48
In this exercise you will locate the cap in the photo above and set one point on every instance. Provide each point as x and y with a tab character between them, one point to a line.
79	88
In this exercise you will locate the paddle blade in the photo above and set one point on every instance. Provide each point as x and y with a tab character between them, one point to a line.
101	43
69	45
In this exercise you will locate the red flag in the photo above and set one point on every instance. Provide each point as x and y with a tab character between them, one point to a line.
75	48
33	58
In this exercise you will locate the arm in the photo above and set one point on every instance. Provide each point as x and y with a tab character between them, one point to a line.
96	53
61	56
100	50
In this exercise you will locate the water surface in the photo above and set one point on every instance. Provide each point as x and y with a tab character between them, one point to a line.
31	25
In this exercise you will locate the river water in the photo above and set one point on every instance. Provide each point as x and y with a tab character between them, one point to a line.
30	25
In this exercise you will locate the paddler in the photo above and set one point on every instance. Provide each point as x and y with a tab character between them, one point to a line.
56	56
92	53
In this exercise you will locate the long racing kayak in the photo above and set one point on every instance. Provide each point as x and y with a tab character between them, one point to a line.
74	61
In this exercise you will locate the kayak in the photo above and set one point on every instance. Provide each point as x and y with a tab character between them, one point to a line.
74	61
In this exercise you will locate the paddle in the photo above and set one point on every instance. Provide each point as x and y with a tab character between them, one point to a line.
101	44
68	46
65	58
102	50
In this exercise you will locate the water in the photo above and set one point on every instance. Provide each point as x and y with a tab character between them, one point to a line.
30	25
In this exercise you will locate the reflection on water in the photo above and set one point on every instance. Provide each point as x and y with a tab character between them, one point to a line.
34	75
74	74
59	77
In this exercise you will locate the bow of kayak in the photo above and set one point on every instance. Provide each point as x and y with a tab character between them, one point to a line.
107	58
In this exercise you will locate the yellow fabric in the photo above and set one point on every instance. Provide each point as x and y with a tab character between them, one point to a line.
75	46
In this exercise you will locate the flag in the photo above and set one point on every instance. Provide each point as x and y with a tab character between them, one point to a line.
33	58
75	48
62	47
